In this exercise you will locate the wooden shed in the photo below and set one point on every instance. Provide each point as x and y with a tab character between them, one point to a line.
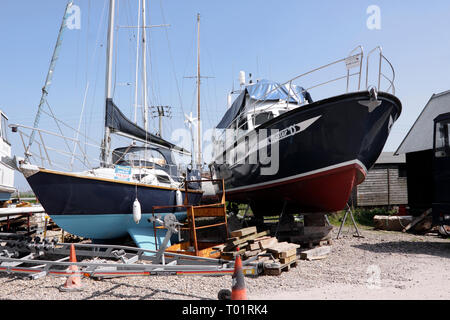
385	184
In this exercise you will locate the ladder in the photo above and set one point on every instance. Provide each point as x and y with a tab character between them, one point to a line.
209	210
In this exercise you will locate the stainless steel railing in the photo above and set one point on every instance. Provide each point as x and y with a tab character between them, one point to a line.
354	60
45	154
380	72
47	151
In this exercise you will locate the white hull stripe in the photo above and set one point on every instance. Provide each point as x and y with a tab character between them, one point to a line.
262	184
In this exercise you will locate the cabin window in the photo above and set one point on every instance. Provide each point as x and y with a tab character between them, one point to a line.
139	177
163	179
233	124
242	124
145	157
4	131
262	117
156	157
442	140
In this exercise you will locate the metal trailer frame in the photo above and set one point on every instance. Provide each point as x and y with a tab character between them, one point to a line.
131	261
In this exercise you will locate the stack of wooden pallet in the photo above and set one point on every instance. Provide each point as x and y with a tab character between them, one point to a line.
247	242
284	257
242	242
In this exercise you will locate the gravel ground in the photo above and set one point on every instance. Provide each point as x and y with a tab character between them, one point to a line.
382	265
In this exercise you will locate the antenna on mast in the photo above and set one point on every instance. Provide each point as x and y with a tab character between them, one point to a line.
160	112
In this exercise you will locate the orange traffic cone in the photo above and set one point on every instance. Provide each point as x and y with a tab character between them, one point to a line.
73	282
238	291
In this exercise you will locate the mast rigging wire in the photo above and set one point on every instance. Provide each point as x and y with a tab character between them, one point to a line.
171	58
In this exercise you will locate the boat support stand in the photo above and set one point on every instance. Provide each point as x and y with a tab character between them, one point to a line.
281	217
349	210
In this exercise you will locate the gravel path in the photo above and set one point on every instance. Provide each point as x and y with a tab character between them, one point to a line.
383	265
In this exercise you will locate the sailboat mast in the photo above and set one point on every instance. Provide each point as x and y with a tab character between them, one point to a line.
49	77
199	141
108	88
137	64
144	65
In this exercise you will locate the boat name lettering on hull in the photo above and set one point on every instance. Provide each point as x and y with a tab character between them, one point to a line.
293	130
257	143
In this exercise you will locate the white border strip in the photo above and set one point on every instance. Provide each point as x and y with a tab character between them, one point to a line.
343	164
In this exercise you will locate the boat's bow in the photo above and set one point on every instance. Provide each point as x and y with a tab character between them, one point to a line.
319	153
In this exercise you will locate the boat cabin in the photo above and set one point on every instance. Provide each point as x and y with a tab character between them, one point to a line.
260	102
150	157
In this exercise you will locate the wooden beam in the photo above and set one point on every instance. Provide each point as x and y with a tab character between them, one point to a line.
417	220
245	239
243	232
316	253
264	244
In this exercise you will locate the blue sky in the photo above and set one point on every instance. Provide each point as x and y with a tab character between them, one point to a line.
271	39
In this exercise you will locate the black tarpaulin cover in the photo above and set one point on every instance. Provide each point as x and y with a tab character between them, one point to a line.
263	90
233	111
117	122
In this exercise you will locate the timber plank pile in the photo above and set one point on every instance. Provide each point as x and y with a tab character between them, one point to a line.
260	247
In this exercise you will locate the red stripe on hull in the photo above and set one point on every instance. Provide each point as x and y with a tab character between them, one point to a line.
325	191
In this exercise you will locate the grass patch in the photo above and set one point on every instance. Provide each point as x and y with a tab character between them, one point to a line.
363	216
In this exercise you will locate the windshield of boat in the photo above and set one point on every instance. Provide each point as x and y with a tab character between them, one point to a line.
262	117
144	157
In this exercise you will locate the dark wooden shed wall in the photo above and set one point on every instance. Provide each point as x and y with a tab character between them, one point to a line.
385	185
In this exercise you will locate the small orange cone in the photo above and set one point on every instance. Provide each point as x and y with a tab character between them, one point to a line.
238	291
73	282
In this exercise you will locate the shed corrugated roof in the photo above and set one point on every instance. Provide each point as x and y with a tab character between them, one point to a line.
420	136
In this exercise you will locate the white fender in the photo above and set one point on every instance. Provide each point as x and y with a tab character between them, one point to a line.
136	211
179	198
